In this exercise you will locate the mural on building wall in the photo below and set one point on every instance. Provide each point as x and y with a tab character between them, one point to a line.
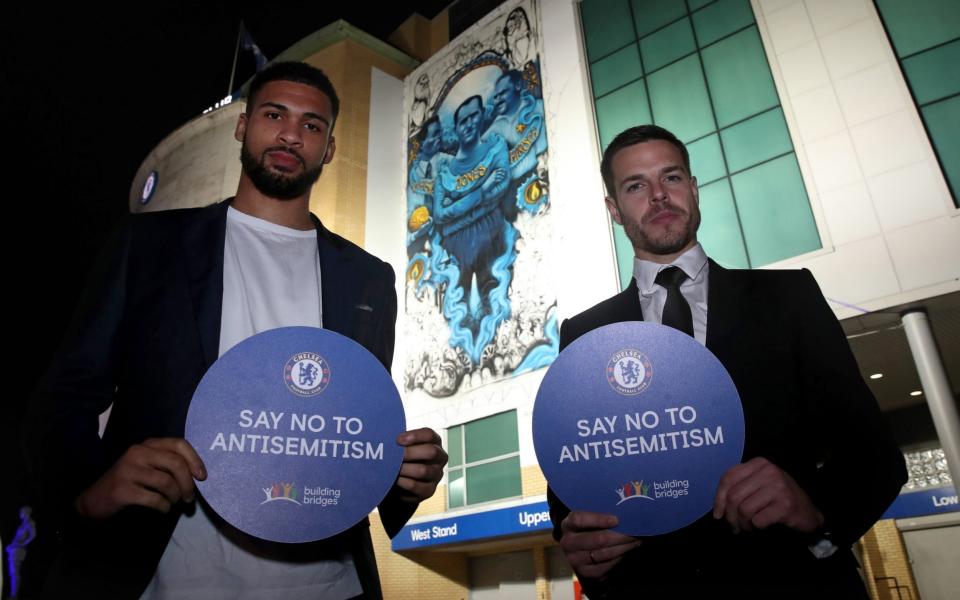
479	300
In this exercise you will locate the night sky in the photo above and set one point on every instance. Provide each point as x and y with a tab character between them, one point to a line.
87	92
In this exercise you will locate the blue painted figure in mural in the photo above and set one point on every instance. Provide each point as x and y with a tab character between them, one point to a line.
518	119
466	210
423	169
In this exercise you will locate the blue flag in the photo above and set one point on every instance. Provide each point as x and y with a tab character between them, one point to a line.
247	43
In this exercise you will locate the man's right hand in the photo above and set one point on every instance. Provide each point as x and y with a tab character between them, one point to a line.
157	474
591	548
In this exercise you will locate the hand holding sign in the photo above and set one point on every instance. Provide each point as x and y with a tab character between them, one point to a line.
156	474
423	463
758	494
591	546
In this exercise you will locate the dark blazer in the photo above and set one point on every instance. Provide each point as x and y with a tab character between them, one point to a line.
806	409
147	329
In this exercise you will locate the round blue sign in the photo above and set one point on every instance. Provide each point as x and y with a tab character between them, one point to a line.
640	421
297	428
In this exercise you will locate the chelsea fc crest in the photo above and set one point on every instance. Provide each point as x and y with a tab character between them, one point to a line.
306	374
629	372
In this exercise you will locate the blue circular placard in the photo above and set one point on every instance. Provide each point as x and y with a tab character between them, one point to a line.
297	427
640	421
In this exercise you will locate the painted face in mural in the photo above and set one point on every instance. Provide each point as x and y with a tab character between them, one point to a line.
431	141
469	118
656	200
506	98
286	139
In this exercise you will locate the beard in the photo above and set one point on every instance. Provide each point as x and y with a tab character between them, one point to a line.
668	242
277	185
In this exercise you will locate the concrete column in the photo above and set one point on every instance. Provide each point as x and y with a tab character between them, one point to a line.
935	387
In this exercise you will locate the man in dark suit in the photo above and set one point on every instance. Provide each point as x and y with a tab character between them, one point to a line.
819	464
173	291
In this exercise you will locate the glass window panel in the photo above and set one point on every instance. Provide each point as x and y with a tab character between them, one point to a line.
739	77
719	231
667	45
615	70
695	4
624	250
706	159
919	24
607	26
650	15
679	101
774	211
623	108
491	436
495	480
455	446
943	123
934	74
721	18
755	140
456	487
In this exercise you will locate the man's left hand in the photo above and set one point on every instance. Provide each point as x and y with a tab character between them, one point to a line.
758	494
423	462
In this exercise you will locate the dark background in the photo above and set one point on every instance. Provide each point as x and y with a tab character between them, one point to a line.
87	92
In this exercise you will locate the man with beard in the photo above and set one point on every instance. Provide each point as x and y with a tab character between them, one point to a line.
784	520
173	291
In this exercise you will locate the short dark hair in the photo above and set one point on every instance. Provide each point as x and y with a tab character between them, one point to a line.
456	113
515	77
297	72
633	136
425	128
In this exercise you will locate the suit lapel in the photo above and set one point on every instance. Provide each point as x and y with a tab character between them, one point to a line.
724	305
626	305
336	276
203	240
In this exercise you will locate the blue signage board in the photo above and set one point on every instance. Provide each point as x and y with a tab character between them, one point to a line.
923	502
474	526
640	421
297	428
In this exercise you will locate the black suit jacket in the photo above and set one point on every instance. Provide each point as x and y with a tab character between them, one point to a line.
806	409
147	329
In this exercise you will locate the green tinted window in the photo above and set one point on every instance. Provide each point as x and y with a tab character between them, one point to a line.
720	19
943	123
492	436
607	26
706	159
755	140
719	227
926	35
495	480
934	74
456	489
615	70
623	108
667	45
624	250
455	446
739	76
650	15
916	25
678	99
774	211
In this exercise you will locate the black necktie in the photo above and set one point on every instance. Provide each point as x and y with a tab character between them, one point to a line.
676	311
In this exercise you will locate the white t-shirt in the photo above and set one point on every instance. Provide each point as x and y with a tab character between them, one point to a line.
271	278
